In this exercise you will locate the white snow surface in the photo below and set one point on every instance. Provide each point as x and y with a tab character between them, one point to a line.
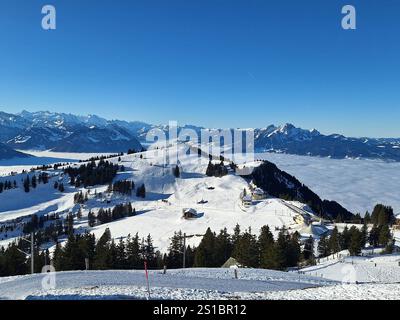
189	284
377	269
175	284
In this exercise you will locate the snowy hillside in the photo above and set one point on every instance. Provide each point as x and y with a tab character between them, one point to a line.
370	269
216	200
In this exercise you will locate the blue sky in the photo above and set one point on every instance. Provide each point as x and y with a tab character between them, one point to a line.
216	63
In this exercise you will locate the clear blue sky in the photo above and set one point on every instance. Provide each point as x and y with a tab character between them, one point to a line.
216	63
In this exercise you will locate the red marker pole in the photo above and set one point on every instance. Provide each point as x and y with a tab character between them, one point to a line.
147	279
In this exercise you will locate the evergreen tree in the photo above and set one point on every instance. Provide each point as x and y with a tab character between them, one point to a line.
374	236
175	251
210	169
69	224
268	255
15	261
385	235
91	219
334	242
364	235
223	247
141	191
87	244
236	235
148	253
382	215
293	253
121	256
79	214
34	182
246	250
308	251
102	258
323	247
367	218
281	247
345	239
26	184
133	252
176	172
204	256
113	256
355	245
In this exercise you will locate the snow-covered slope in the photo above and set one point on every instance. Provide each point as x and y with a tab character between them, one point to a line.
176	284
370	269
160	214
189	284
216	200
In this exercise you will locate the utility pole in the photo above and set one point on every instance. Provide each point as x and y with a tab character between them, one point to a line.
184	250
32	255
184	245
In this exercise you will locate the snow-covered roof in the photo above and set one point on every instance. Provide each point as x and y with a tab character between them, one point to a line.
231	263
247	198
315	230
258	191
190	210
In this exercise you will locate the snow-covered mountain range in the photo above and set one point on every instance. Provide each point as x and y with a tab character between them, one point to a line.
292	140
63	132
